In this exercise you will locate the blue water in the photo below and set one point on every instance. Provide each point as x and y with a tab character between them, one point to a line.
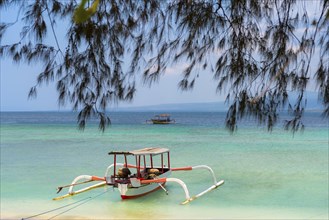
274	174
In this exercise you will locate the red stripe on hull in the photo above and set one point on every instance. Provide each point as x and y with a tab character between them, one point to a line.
139	195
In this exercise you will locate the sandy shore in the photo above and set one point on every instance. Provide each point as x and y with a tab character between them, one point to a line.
220	213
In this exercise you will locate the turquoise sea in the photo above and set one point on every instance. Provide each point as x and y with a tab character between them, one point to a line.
268	175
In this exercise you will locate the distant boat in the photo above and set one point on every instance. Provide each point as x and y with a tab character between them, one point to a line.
162	119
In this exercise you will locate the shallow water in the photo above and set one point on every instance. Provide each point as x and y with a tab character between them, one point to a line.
273	175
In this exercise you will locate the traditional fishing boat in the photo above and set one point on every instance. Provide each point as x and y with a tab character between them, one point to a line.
150	172
161	119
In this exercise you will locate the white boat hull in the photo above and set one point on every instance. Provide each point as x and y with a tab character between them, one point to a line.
129	192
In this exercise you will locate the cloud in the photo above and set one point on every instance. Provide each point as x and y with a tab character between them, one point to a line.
177	69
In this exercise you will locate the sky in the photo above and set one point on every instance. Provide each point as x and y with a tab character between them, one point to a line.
17	79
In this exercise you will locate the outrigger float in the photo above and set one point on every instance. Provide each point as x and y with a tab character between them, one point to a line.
148	175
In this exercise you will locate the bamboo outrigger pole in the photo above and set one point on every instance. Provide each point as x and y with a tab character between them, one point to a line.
204	192
81	190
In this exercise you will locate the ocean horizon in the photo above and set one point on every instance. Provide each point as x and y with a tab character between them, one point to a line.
268	175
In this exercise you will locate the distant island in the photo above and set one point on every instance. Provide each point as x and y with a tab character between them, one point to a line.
312	105
179	107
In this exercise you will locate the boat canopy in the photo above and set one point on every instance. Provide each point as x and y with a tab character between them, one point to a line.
163	115
144	151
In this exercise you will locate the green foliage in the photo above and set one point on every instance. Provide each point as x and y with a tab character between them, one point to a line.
81	14
258	51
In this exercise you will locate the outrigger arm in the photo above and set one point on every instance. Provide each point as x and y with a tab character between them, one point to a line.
86	178
216	184
195	168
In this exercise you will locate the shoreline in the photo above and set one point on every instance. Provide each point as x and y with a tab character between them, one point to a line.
203	213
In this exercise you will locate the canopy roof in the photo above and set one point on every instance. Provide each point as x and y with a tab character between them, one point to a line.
144	151
162	115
